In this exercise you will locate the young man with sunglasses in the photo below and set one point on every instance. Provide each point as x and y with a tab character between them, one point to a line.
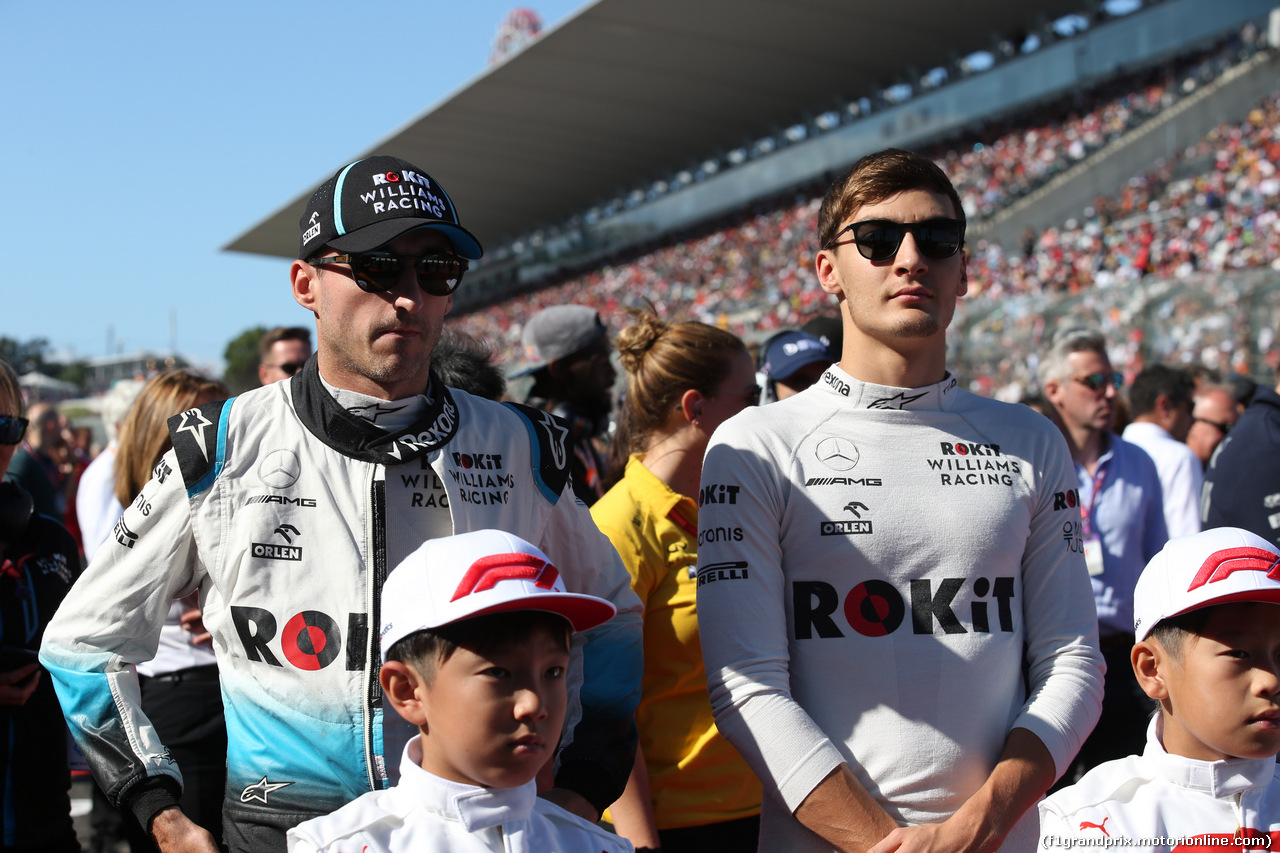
1242	482
287	506
281	353
1122	525
1213	415
897	635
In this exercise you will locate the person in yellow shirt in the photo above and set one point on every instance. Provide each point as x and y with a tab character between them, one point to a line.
689	789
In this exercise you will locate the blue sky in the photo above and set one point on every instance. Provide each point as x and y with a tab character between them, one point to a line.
139	137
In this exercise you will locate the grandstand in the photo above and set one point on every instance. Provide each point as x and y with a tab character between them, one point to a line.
1122	176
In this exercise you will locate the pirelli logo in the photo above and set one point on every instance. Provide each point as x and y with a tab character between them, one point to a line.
734	570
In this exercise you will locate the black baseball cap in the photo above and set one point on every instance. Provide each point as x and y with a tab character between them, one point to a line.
373	201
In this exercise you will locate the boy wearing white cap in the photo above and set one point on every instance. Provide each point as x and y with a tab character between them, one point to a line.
475	642
1208	651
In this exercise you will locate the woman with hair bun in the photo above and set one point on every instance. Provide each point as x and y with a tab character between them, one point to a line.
690	790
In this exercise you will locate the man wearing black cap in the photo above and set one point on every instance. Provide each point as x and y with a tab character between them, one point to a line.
567	348
286	508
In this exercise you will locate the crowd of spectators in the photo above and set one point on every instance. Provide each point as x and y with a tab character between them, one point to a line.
1174	231
1164	265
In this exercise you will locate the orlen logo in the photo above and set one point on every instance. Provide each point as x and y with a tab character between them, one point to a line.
1222	564
487	572
1070	499
874	608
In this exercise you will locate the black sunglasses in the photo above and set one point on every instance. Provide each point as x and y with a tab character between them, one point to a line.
879	239
12	429
1095	382
375	272
1224	428
289	367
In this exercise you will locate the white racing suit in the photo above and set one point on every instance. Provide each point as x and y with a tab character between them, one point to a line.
286	512
1157	802
892	579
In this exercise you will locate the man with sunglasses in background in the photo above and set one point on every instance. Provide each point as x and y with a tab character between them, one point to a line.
1242	482
281	353
897	635
1212	417
287	506
1122	526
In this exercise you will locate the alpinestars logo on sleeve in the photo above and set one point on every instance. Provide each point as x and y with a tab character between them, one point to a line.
194	422
557	433
257	792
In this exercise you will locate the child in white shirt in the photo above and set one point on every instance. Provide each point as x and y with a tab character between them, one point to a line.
475	642
1208	651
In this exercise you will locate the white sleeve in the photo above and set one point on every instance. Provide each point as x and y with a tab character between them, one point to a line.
742	620
1053	829
110	621
1064	666
1182	496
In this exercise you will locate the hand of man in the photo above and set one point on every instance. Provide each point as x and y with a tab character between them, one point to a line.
193	620
572	801
174	832
17	685
1021	776
950	836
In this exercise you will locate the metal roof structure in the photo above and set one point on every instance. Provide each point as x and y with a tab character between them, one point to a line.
627	91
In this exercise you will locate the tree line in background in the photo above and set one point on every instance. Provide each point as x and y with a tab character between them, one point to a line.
241	356
28	356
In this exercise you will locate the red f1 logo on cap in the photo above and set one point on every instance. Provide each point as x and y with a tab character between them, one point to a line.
1223	563
486	572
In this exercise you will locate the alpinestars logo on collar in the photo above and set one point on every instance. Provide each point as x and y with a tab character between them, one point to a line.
898	401
257	792
374	411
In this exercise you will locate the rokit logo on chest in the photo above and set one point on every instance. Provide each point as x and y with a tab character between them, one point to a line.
875	608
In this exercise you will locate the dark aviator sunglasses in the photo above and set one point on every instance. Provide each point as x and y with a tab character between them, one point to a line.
879	239
375	272
1095	382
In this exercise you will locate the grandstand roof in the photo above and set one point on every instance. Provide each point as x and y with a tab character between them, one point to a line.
625	92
